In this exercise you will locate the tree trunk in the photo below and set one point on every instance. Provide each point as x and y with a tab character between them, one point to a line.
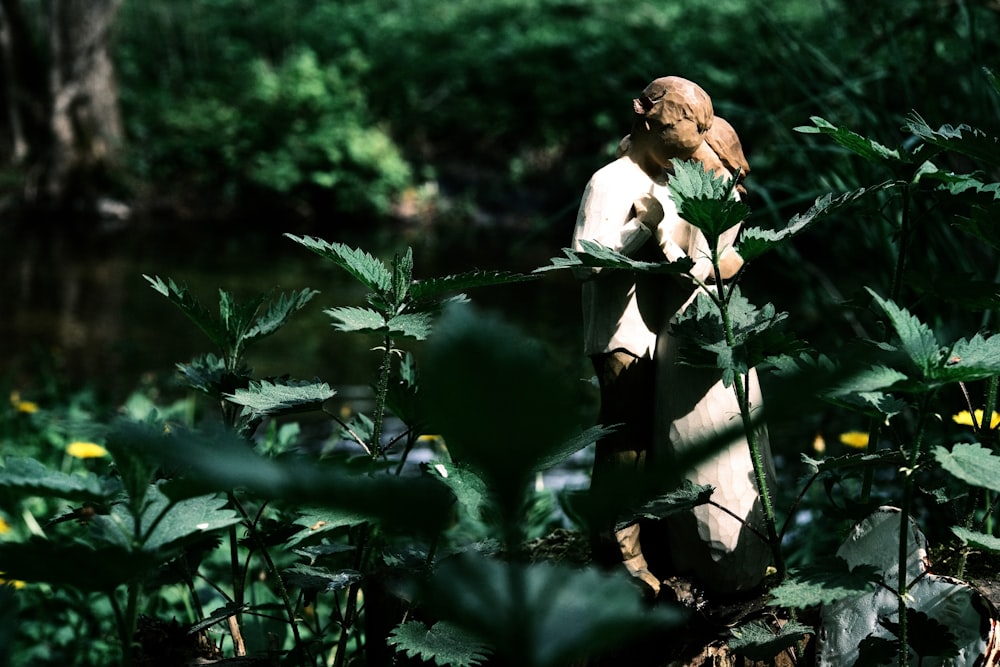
61	107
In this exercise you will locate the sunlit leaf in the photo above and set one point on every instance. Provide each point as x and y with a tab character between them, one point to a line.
443	643
972	463
823	583
276	398
371	272
316	523
593	255
852	141
682	499
705	200
754	241
962	139
977	540
412	325
402	276
353	318
757	641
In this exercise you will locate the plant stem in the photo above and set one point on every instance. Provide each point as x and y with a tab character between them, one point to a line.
904	532
381	390
740	384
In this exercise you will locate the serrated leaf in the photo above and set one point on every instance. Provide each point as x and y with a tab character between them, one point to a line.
688	496
754	241
276	398
434	288
371	272
320	578
278	312
823	583
543	615
469	488
874	651
916	338
353	318
972	463
402	276
28	477
192	308
854	142
571	446
318	522
593	255
977	540
444	643
962	139
969	360
220	614
208	374
705	200
183	519
757	641
849	461
412	325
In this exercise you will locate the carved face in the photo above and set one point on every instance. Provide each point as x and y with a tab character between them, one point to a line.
678	112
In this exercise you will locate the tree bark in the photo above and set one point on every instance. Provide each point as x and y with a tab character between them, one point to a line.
60	95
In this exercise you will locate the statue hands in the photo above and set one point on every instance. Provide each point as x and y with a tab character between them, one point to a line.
648	210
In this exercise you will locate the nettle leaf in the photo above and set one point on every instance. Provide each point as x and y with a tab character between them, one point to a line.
854	142
757	641
353	318
320	579
969	360
402	276
192	308
823	583
977	540
183	519
208	374
543	615
572	446
755	241
278	312
962	139
237	318
916	338
972	463
471	492
957	184
444	643
689	495
28	477
705	200
276	398
886	457
413	325
593	255
371	272
317	522
435	288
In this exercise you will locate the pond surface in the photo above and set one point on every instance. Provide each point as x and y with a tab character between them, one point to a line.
77	310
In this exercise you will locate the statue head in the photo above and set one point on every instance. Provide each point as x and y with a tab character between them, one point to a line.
677	111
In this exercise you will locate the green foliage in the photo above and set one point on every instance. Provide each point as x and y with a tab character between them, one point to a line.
757	641
706	201
825	582
971	463
443	643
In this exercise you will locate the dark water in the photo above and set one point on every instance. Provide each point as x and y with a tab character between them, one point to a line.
76	310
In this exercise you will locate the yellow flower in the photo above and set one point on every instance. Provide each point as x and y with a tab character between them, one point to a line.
856	439
16	583
27	407
86	450
4	526
965	418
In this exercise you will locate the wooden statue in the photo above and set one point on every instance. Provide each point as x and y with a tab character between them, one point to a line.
663	406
